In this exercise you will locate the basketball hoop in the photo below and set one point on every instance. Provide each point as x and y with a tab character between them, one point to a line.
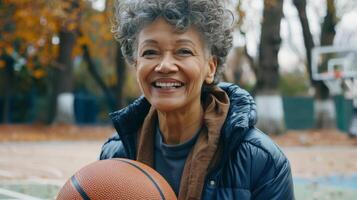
338	74
336	66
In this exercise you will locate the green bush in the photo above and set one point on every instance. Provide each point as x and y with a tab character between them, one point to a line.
294	84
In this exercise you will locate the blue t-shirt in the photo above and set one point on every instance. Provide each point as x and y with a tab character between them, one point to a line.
170	159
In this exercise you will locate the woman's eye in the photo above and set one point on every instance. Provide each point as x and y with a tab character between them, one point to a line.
149	53
185	52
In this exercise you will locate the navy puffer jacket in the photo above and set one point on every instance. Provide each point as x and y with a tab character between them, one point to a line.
251	165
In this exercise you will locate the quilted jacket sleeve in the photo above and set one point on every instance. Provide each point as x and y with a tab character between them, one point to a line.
270	169
278	187
112	148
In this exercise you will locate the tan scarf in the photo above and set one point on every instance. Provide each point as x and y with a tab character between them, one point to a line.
201	156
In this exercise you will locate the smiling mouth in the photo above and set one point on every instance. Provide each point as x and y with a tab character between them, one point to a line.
167	85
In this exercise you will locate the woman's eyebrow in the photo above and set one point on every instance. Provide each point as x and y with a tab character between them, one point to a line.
179	41
148	41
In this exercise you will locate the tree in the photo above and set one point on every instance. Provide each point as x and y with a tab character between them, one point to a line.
270	40
121	74
44	36
22	38
63	70
268	99
266	67
323	114
120	66
96	76
7	82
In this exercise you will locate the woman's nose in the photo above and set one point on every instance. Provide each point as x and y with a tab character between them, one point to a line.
167	65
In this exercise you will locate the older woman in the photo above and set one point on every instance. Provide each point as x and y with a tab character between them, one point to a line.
198	135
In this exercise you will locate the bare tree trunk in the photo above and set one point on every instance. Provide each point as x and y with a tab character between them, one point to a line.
270	40
327	35
62	98
120	64
268	99
323	105
325	119
66	82
95	74
321	91
308	41
7	86
328	31
8	75
62	78
121	75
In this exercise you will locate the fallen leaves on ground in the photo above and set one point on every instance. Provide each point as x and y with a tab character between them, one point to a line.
61	132
58	132
318	137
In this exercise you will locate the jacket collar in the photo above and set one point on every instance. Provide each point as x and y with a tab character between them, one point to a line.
242	112
127	121
241	116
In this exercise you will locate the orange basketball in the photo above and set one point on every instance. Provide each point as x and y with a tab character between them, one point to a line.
116	179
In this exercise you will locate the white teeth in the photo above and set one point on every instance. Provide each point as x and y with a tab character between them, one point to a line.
167	85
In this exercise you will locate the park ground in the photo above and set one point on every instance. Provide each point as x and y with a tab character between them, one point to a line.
36	160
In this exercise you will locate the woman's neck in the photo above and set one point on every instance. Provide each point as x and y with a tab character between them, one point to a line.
179	126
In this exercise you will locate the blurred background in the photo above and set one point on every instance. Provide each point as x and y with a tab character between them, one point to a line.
62	72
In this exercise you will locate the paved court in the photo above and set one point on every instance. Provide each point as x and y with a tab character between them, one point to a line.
36	170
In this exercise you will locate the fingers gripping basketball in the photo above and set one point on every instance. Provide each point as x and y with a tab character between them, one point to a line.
116	179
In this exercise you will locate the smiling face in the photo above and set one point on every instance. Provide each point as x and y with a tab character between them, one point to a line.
172	66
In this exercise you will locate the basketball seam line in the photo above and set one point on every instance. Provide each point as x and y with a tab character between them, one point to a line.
79	188
147	174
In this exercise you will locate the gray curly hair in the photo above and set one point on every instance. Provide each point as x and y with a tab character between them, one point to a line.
213	21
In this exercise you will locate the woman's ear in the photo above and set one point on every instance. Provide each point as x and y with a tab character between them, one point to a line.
212	67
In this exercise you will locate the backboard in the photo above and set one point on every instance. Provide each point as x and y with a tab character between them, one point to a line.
331	62
336	66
